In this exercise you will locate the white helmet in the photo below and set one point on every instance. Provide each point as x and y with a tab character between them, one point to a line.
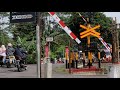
9	44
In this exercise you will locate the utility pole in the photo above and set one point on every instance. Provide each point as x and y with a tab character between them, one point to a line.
114	71
118	41
38	36
115	42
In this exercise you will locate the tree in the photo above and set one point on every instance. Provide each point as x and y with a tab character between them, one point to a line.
24	30
4	28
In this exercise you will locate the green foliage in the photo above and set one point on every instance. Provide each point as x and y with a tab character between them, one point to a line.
53	55
4	39
24	30
4	30
30	47
59	51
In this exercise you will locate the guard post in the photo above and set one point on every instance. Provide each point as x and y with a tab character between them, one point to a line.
99	62
67	56
83	59
76	59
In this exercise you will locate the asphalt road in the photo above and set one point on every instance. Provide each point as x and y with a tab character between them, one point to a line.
31	72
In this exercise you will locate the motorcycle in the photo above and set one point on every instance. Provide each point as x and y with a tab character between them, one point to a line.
20	63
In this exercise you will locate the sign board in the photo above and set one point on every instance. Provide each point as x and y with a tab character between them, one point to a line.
17	17
49	39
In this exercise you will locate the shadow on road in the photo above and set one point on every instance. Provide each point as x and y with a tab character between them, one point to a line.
13	70
6	67
16	70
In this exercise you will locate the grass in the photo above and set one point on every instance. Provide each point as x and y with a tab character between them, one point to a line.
61	69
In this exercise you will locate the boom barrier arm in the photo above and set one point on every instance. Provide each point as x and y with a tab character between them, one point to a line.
104	43
64	27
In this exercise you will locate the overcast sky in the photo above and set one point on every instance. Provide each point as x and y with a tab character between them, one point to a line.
113	14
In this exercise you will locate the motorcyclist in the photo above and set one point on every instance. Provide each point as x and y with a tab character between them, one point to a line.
10	52
20	54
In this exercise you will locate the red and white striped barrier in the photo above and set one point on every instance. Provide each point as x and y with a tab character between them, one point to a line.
105	44
66	29
82	17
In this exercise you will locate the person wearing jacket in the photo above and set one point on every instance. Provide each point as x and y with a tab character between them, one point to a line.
20	53
3	53
10	52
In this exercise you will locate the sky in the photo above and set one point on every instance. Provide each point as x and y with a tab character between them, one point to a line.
113	14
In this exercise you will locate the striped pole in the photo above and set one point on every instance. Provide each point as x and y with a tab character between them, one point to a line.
64	27
105	44
82	17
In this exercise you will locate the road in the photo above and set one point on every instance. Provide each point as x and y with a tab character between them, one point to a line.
31	72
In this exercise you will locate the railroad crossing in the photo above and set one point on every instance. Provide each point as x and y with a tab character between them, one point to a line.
71	55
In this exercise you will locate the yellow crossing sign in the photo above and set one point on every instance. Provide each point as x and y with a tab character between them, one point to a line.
89	31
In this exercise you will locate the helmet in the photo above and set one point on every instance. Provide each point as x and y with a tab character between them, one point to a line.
9	44
3	47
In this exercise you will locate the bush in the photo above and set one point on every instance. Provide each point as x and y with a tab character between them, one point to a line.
30	59
30	46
